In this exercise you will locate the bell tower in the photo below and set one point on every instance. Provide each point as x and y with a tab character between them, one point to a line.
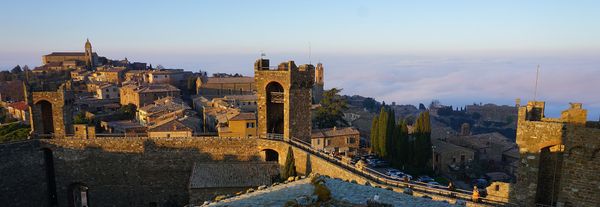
284	99
89	58
319	86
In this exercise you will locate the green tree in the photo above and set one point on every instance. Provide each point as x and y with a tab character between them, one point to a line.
14	132
289	169
375	135
422	142
331	112
403	144
80	119
382	133
16	70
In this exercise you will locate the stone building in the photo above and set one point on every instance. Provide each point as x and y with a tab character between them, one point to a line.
110	74
241	125
489	147
492	112
141	95
177	127
318	88
451	159
71	59
51	110
559	161
176	77
162	109
284	99
343	141
127	127
107	91
213	87
19	110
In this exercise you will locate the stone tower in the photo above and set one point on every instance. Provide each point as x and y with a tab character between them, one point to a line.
319	84
284	99
50	111
89	58
559	161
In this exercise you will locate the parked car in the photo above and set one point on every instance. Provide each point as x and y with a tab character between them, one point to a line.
425	179
434	184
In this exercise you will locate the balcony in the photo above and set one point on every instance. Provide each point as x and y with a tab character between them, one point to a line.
277	97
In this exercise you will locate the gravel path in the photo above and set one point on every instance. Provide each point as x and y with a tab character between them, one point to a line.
358	194
340	190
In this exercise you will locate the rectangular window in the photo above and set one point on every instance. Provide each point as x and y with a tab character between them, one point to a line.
318	141
453	159
350	140
462	158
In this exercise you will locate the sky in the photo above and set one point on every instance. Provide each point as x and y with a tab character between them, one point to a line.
408	52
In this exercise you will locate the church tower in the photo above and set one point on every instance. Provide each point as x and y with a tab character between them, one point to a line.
89	59
318	88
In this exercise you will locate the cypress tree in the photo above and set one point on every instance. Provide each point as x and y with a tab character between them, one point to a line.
391	135
289	169
382	134
422	141
403	142
374	135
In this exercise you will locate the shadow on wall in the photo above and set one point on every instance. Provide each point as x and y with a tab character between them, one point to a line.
108	172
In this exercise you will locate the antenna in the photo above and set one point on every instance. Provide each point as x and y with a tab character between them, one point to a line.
262	54
309	53
537	75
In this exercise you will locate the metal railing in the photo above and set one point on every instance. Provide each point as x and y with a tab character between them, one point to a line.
277	97
383	179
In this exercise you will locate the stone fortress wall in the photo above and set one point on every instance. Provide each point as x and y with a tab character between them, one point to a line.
131	171
559	161
137	171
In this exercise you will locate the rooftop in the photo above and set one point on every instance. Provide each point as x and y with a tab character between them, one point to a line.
230	80
332	132
244	116
238	174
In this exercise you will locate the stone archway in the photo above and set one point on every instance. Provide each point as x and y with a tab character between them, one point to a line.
270	155
549	173
47	124
275	108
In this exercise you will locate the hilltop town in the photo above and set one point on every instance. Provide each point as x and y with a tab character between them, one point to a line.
82	129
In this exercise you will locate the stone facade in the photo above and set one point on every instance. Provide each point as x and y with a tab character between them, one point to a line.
558	163
51	111
214	87
141	95
284	98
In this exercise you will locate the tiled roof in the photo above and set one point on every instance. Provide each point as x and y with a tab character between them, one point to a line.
332	132
171	126
149	88
230	80
244	116
237	174
21	105
68	54
167	104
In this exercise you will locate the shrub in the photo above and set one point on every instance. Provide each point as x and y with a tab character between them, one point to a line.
323	193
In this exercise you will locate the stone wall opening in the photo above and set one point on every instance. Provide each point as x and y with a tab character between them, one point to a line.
549	175
270	155
275	97
78	195
48	159
47	119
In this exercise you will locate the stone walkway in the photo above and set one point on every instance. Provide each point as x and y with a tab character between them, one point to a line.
340	190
